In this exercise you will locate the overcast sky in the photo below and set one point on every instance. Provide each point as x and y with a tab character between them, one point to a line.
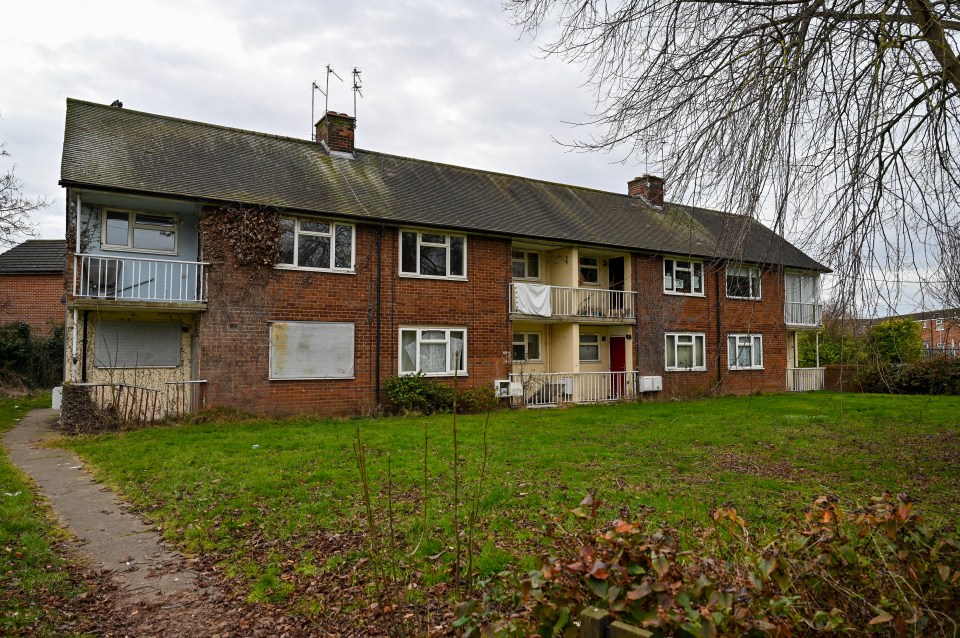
445	80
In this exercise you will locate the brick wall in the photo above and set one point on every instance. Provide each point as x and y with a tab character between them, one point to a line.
234	333
32	298
716	316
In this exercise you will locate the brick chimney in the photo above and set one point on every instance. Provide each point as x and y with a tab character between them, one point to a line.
335	130
648	187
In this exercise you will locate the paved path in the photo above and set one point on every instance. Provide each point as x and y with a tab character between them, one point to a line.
111	536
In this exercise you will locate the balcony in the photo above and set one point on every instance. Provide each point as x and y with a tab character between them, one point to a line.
804	379
597	305
803	314
136	281
542	389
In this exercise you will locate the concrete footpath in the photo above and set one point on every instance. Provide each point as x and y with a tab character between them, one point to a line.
112	537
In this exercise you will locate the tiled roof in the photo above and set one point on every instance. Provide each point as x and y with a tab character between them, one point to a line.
34	256
117	148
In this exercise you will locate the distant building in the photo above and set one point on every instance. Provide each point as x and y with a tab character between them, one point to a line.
31	284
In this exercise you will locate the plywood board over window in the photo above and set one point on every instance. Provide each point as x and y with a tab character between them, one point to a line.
137	344
311	350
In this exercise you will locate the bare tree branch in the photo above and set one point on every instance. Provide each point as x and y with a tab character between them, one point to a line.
841	117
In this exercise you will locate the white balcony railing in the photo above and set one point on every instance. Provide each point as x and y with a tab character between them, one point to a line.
565	301
804	379
139	279
555	388
798	313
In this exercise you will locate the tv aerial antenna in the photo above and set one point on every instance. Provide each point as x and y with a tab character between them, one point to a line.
314	87
357	89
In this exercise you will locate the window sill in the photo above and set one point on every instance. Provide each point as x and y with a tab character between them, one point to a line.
407	275
684	294
745	298
754	368
311	378
332	271
685	369
435	375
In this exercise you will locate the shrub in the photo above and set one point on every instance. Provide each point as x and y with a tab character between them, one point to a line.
895	341
416	393
937	375
36	361
875	568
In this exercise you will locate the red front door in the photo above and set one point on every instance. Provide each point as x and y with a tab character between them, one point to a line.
618	365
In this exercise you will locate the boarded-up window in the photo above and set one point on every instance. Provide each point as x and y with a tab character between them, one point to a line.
137	344
311	350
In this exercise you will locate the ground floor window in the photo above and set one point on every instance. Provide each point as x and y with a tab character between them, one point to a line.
311	350
526	346
745	352
433	351
589	347
137	344
685	351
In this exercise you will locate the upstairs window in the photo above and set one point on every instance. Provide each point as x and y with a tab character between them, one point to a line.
685	351
315	244
526	264
434	255
589	270
940	324
745	352
682	277
433	351
147	232
743	282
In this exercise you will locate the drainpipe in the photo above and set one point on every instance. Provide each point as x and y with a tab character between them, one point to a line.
83	357
379	312
716	287
77	225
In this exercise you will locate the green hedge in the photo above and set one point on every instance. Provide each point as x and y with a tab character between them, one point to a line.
36	361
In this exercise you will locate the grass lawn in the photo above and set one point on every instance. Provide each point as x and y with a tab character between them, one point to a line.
278	503
33	578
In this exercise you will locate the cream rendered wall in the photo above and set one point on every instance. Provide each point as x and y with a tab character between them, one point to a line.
564	347
561	267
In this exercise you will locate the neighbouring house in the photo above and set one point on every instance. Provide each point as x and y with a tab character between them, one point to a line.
940	330
222	267
31	284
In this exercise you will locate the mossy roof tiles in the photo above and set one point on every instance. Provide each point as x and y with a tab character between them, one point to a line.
116	148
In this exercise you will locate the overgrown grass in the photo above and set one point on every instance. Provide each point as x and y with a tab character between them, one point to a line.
31	573
279	501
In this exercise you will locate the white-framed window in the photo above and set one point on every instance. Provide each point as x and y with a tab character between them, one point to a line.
526	264
433	351
311	350
526	346
316	244
589	270
589	347
745	352
685	351
430	254
683	277
140	231
923	324
940	324
743	282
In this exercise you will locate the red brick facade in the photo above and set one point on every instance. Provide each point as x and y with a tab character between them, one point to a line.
234	333
717	316
33	298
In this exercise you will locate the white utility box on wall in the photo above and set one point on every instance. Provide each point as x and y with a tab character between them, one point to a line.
651	384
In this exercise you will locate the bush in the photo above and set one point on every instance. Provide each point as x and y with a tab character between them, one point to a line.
36	361
416	393
872	569
937	375
894	341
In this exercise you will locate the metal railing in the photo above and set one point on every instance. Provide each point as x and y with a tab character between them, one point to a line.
185	397
566	301
941	352
555	388
139	279
804	379
796	313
